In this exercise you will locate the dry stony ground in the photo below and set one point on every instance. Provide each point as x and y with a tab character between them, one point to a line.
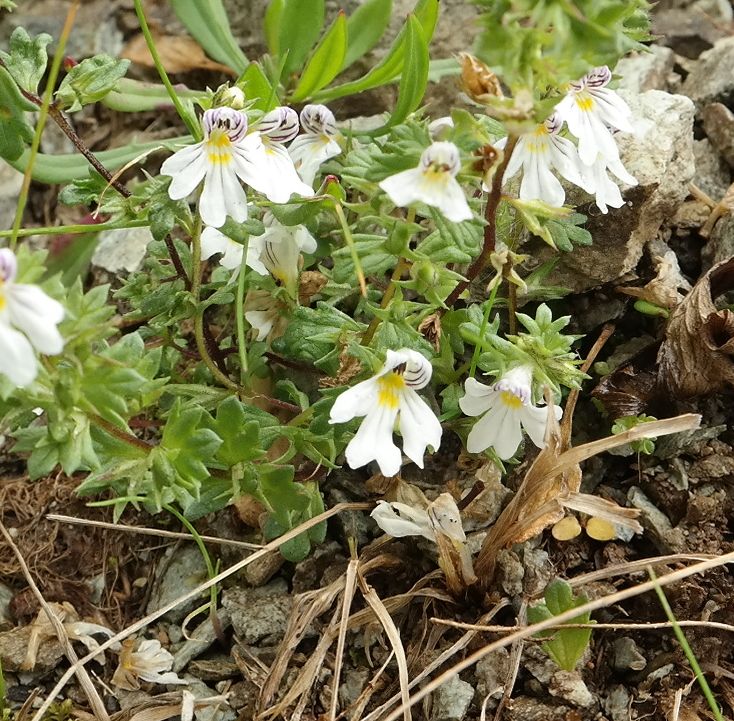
274	616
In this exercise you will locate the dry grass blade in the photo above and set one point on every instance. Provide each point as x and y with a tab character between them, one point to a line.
194	593
142	530
552	481
84	680
350	586
514	665
439	661
393	636
561	618
651	626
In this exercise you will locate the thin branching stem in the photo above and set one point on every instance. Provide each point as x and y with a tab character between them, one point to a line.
240	312
53	74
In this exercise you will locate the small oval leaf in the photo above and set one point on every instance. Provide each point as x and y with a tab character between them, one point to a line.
300	26
365	26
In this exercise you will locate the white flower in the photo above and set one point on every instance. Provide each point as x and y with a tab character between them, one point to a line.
266	313
388	396
440	128
280	126
213	241
227	154
149	663
506	408
28	320
433	182
400	519
592	111
539	153
317	144
606	190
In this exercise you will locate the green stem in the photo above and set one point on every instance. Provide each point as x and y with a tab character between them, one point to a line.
349	238
397	274
683	641
482	330
240	310
74	229
53	74
211	571
194	128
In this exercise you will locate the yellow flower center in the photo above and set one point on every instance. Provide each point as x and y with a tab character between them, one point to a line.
538	142
3	301
511	400
389	388
584	101
219	147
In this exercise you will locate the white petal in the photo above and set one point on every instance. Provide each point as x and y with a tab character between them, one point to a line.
262	321
508	436
373	441
33	312
235	199
284	180
306	242
400	520
309	152
355	401
477	399
211	203
517	159
447	517
187	168
534	420
214	241
419	427
17	359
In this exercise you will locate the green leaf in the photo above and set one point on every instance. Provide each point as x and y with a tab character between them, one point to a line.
325	62
365	26
27	59
14	131
207	21
239	428
414	78
272	25
257	88
564	646
90	81
390	67
300	25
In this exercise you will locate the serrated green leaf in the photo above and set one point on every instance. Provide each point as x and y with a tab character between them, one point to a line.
299	27
14	131
365	26
27	59
207	21
90	81
325	62
239	431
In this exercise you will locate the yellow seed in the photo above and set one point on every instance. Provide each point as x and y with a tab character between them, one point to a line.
600	530
566	529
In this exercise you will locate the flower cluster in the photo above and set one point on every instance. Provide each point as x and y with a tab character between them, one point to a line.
506	409
592	113
229	153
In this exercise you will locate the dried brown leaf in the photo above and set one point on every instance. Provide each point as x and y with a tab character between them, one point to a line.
662	290
697	356
178	53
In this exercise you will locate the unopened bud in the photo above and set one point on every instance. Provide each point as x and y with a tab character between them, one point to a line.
69	63
477	80
234	97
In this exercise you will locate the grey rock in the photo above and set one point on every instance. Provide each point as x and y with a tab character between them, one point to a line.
451	701
569	686
185	572
10	182
538	571
259	614
14	647
659	154
693	29
510	572
215	712
640	72
712	173
627	655
652	517
199	641
524	708
491	673
121	250
6	595
617	704
718	123
355	680
711	79
539	664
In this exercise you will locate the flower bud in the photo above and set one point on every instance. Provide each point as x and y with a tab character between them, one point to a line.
477	80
